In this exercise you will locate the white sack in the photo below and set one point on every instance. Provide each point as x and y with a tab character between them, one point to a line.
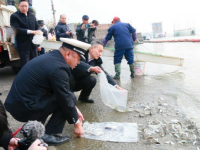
38	38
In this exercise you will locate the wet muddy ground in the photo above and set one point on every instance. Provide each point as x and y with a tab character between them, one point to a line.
155	99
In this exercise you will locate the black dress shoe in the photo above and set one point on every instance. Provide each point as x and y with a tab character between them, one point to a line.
86	100
54	140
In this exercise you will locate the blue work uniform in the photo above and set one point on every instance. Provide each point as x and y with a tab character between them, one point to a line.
124	35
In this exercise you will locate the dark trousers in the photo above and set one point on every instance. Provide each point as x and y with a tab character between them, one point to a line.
27	55
128	53
57	121
41	52
85	84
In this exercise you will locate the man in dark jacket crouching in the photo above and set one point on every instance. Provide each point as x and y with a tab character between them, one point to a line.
84	81
41	90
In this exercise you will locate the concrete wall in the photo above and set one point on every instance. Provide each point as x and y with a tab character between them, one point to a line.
102	31
101	34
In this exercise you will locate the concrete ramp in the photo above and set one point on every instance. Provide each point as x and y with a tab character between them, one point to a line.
138	56
51	45
150	57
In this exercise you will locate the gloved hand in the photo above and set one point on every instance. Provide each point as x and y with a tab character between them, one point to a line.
104	42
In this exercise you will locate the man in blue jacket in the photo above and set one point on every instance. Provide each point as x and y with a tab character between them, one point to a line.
124	35
62	29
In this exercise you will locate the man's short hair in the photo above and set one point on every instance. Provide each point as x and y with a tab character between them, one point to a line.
95	43
22	1
3	120
62	15
95	22
64	48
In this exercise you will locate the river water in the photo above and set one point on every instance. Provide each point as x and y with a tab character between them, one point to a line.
183	82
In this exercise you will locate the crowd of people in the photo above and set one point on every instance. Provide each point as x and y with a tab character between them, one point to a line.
46	84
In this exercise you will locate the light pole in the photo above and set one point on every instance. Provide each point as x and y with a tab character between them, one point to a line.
54	17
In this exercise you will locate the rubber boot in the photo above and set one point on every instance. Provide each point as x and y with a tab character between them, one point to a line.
118	71
132	69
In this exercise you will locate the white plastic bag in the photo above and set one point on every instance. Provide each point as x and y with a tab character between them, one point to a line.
111	96
38	38
111	131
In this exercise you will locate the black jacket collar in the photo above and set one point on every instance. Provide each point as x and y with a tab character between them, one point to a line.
60	23
23	13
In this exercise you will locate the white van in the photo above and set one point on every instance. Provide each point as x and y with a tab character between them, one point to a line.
8	54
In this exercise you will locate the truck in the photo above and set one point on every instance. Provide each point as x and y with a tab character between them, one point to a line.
9	55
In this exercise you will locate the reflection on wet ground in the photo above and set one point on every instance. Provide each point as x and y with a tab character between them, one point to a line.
175	87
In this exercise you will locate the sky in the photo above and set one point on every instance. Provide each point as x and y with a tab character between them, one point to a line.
174	14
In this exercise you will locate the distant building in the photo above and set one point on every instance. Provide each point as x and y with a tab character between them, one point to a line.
157	30
104	26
